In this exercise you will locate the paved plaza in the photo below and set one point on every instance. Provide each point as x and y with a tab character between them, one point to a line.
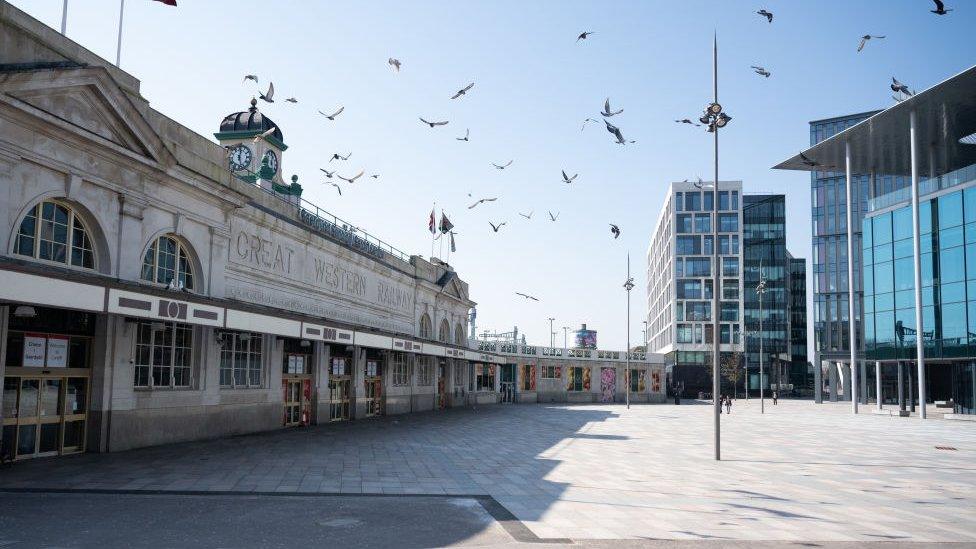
801	472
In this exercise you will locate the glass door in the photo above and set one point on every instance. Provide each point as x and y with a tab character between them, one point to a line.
293	402
44	416
339	398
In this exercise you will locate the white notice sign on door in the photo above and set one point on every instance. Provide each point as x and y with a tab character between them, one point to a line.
34	348
57	352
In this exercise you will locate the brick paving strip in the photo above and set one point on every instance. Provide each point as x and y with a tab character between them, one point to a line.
800	472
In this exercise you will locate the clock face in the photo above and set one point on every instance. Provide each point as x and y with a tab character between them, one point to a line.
272	160
240	157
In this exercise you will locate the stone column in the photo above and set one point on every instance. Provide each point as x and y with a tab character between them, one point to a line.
877	384
4	317
357	408
320	373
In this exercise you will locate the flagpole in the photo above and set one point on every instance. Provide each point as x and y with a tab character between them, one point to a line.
64	17
433	233
440	253
118	48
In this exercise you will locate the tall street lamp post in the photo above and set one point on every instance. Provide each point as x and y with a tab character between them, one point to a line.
715	119
565	337
761	289
629	285
552	334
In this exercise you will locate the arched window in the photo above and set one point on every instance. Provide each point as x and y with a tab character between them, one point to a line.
445	332
459	338
167	259
51	231
426	329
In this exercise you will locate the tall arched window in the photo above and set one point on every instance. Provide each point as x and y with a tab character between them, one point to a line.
445	332
167	259
459	338
51	231
426	328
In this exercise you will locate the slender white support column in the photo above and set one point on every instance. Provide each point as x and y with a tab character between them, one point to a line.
901	386
877	383
832	379
917	250
851	295
862	376
817	378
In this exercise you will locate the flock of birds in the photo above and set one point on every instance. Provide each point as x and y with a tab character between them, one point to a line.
607	113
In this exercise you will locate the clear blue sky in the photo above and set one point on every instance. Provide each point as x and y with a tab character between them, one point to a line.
534	85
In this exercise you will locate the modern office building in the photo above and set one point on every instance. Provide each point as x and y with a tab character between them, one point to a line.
801	371
919	303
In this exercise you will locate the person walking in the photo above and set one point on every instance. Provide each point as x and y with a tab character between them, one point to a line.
775	397
728	405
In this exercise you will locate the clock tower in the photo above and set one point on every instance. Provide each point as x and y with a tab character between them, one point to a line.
255	162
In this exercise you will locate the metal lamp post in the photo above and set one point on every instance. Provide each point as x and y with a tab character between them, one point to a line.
761	289
565	337
552	334
714	118
629	285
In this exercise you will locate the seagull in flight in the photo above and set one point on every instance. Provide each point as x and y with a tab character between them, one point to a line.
333	115
467	132
583	35
940	8
567	179
338	188
616	132
482	201
864	40
395	63
606	109
586	121
615	231
268	95
504	166
267	133
353	178
527	296
496	227
338	156
897	86
527	216
327	173
250	77
767	14
686	121
462	91
291	100
760	71
432	124
553	217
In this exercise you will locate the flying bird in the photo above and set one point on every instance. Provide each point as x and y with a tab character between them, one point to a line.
338	188
527	216
395	63
268	95
588	120
567	179
553	217
583	35
606	109
375	176
686	121
327	173
291	100
467	132
333	115
527	296
250	77
503	167
615	231
807	161
897	86
462	91
760	71
267	133
496	227
338	156
864	40
940	8
432	124
353	178
616	132
699	184
767	14
482	201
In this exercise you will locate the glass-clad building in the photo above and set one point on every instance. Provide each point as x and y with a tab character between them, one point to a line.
801	376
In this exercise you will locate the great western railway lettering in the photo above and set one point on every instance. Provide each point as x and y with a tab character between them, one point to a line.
264	253
394	297
337	278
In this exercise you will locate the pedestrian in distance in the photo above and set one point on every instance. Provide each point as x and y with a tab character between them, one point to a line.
728	405
775	397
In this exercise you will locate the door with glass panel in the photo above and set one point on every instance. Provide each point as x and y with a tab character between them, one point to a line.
44	415
293	401
340	382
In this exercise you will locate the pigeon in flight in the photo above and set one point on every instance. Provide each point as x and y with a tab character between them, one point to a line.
527	296
503	167
395	63
606	109
567	179
897	86
586	121
615	231
338	156
553	217
467	132
767	14
462	91
760	71
864	40
327	173
333	115
268	95
375	176
686	121
583	35
338	188
432	124
267	133
527	216
699	184
940	8
616	132
353	178
291	100
250	77
482	201
496	227
807	161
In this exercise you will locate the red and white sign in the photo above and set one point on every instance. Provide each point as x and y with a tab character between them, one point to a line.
35	347
57	352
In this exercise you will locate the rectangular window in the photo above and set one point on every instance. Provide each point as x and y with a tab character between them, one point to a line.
576	379
730	311
698	266
692	202
698	310
708	205
549	372
728	223
723	200
687	245
703	223
425	370
678	202
400	369
163	351
485	377
689	289
240	359
730	266
636	380
683	223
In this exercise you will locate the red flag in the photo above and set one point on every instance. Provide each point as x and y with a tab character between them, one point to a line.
168	2
431	222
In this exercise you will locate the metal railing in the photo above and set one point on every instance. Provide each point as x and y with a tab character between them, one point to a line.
926	186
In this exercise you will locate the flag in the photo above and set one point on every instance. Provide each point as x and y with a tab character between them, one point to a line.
446	224
453	247
430	223
168	2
